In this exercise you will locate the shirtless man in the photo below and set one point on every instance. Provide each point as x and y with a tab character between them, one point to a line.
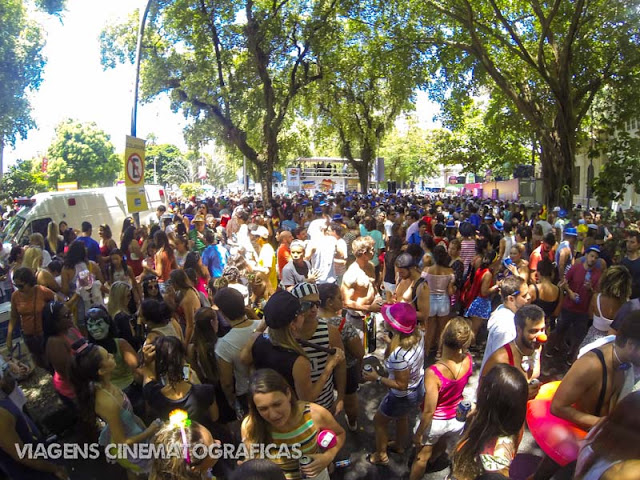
583	398
358	287
412	288
523	352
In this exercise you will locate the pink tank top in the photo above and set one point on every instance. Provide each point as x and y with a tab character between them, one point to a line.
450	394
60	384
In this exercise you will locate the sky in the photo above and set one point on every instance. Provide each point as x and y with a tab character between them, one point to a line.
75	85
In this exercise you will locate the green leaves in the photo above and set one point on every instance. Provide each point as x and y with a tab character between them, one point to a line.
23	179
82	153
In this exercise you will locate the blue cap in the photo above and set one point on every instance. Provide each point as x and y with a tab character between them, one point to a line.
305	202
489	217
562	213
451	224
582	221
572	232
317	210
593	248
337	217
322	203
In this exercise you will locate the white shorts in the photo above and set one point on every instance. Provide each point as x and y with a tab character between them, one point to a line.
451	429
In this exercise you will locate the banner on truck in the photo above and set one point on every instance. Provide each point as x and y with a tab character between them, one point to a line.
134	174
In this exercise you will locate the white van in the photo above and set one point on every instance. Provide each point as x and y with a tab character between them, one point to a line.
96	206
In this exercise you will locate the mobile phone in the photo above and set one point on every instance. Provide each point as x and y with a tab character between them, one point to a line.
186	371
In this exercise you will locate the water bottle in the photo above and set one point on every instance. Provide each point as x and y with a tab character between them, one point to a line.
587	277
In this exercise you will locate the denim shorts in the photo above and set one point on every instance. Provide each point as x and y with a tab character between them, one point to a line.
439	305
398	407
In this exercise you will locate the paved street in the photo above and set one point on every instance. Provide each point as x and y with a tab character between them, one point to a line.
357	446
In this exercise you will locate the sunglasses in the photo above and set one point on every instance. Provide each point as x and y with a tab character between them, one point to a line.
308	305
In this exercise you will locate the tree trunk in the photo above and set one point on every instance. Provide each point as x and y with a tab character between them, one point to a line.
363	176
266	181
557	159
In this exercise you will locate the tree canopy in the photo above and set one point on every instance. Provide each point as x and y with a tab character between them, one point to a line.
235	68
83	153
548	59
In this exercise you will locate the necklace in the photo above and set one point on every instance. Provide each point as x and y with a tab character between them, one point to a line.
528	362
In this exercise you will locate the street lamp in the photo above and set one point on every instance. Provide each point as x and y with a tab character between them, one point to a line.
134	110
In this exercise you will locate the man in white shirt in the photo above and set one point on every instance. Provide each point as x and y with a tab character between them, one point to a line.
501	326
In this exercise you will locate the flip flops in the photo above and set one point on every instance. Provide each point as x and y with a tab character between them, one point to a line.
369	458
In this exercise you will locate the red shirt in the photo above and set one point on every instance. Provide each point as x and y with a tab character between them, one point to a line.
284	255
576	279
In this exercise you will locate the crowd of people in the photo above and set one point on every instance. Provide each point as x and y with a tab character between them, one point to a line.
261	322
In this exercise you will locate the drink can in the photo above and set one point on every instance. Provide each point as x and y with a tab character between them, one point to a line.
343	463
304	461
463	410
368	368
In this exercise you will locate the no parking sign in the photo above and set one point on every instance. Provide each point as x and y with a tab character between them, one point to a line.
134	174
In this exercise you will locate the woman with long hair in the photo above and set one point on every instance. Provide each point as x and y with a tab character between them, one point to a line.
441	280
615	290
54	243
192	465
107	243
480	291
150	288
545	293
456	264
84	277
491	440
523	237
119	309
182	249
612	448
444	384
194	261
27	304
187	302
103	331
59	335
131	249
276	416
117	270
170	384
331	306
165	260
405	362
91	370
388	267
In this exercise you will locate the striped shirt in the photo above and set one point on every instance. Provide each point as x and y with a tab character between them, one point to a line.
413	360
305	435
319	362
467	253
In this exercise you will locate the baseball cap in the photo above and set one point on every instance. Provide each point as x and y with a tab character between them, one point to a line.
593	248
198	218
571	232
281	309
317	210
260	232
337	217
230	302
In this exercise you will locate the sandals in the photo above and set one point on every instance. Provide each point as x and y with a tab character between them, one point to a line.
393	448
369	458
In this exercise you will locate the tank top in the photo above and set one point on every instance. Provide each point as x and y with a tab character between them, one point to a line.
547	306
121	376
62	386
134	262
564	245
439	284
319	362
601	322
598	468
121	276
450	394
267	355
304	434
132	426
167	330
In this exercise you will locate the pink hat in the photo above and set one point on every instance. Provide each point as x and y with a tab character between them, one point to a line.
401	316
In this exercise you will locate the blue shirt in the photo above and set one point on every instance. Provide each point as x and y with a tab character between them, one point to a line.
215	257
93	248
